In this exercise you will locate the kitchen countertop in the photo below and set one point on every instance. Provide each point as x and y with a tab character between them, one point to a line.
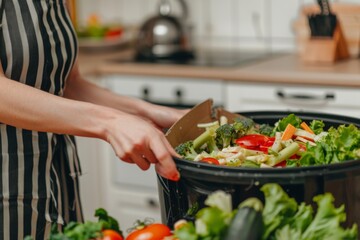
287	69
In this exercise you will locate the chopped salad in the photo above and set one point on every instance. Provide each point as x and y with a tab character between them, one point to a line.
289	142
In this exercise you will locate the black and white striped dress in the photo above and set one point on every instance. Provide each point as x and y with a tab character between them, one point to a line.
39	171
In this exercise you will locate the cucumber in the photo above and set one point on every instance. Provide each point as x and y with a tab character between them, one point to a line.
247	224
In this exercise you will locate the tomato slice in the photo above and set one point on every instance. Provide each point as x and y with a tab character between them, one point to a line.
210	160
255	142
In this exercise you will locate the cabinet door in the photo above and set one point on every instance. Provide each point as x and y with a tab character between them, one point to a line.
90	185
129	206
255	97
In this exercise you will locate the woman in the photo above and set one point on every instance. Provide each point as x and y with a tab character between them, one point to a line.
43	102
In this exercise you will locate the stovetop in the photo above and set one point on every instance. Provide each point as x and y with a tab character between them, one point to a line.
213	58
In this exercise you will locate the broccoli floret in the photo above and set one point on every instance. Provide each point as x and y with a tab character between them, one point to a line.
266	129
225	135
243	126
186	150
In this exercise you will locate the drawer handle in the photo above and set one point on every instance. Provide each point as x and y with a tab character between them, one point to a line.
300	96
146	93
179	95
152	203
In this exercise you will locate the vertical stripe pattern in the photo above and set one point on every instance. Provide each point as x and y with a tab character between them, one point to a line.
39	171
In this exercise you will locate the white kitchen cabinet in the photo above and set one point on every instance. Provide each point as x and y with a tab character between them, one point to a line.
90	151
90	155
255	97
167	90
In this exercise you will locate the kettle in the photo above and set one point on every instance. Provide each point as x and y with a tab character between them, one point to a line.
165	36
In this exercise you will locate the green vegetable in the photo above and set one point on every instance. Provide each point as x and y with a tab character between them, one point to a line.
80	231
340	144
186	150
284	219
187	232
247	223
208	138
87	230
317	126
243	126
290	119
266	129
250	164
278	208
284	154
225	135
212	221
107	221
327	221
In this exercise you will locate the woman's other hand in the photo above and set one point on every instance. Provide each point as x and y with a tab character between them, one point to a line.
164	117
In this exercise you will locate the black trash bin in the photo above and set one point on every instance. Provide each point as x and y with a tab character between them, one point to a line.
200	179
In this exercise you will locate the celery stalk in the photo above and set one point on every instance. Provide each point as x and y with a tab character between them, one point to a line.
284	154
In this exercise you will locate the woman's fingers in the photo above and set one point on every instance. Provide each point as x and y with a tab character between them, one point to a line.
149	155
136	141
142	162
165	166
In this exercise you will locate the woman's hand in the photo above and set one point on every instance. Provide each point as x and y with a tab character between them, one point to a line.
135	140
164	117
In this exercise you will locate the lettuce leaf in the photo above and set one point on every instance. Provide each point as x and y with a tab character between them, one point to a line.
340	144
282	222
327	221
317	126
290	119
278	209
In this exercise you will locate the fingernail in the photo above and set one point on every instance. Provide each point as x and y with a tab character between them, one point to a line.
175	177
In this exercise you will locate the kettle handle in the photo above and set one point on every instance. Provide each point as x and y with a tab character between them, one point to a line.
185	9
165	8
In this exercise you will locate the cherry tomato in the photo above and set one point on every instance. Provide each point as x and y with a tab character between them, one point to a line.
109	234
155	231
210	160
255	142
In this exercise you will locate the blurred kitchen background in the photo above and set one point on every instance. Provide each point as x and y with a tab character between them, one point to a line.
259	24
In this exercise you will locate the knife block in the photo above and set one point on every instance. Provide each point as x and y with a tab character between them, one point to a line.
326	50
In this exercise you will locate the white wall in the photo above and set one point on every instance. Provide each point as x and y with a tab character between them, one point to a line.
223	23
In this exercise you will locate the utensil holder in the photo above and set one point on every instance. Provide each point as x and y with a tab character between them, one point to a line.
326	50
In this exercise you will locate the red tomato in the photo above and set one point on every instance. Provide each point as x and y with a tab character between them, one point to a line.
281	164
155	231
255	142
111	235
210	160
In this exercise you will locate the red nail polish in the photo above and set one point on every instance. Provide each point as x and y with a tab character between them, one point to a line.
175	177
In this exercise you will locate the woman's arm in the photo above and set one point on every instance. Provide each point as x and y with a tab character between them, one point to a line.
133	139
79	89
